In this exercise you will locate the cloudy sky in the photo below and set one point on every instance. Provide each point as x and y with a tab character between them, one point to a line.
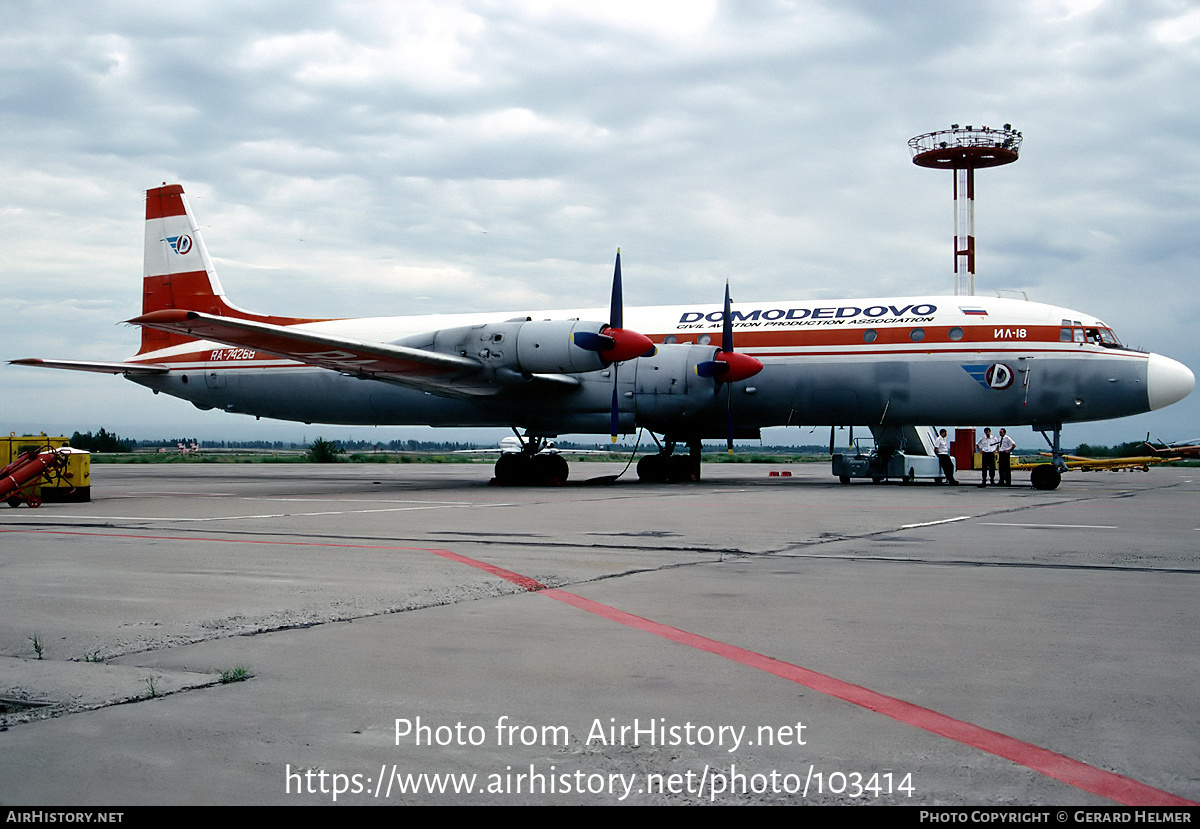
362	158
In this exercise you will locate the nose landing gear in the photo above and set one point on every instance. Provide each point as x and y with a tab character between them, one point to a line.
1048	475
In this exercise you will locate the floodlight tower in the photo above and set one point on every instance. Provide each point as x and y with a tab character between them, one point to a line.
964	149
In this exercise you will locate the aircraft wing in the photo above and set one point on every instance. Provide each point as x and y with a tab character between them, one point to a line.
440	372
93	365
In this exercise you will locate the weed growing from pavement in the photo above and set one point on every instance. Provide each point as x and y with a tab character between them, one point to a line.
239	674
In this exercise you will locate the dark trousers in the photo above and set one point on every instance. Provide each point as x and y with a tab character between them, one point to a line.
989	466
1005	470
947	468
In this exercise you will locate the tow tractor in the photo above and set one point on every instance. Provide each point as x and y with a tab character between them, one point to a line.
888	462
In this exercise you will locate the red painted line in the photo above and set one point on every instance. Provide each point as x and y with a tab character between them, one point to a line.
218	540
523	582
532	585
191	362
1116	787
1108	784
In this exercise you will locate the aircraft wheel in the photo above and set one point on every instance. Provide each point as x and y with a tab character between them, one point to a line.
1045	476
911	476
14	501
548	470
877	480
562	469
652	469
845	479
512	469
680	468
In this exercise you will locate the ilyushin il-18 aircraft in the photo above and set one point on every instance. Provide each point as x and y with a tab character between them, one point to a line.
673	370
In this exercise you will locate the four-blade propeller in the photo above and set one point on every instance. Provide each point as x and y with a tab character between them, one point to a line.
727	366
616	344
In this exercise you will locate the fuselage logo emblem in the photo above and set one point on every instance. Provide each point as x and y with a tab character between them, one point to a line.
997	376
180	244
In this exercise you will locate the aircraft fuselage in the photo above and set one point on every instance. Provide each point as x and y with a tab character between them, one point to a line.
688	372
831	362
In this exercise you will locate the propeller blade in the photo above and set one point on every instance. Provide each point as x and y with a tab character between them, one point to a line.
727	323
616	311
729	420
616	317
614	343
614	421
727	367
593	342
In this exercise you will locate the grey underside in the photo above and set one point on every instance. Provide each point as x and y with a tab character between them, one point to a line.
664	394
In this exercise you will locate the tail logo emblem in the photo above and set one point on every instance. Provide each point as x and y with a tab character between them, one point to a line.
180	244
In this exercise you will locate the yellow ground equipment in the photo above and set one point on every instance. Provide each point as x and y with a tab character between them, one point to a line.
37	468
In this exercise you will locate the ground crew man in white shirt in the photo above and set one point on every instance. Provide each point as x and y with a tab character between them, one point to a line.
987	447
942	449
1004	449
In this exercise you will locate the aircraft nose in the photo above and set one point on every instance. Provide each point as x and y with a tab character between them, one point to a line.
1167	381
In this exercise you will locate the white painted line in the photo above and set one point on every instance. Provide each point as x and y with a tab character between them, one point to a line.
1051	526
76	517
169	494
932	523
175	520
360	501
304	514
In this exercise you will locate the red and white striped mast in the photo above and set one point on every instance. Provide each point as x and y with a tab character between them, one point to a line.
963	149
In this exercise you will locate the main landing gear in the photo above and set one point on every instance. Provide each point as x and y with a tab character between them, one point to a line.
666	467
534	466
531	466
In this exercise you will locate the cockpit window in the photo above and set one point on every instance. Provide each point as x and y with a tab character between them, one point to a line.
1095	335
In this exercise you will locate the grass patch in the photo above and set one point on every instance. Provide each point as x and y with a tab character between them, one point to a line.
239	674
200	457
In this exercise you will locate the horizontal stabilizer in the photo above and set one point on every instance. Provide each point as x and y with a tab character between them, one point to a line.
306	346
93	365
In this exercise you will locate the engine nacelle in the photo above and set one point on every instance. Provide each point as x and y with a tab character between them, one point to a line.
522	347
548	347
669	393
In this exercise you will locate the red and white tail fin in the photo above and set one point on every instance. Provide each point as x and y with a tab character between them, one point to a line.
177	271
